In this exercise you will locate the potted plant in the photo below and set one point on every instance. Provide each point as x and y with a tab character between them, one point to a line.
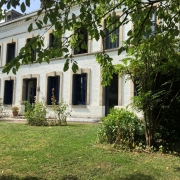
15	110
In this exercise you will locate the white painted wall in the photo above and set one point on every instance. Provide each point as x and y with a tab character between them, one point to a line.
17	29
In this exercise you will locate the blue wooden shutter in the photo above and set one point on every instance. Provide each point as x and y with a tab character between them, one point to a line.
51	40
49	92
8	92
33	51
74	90
79	89
56	87
10	52
82	31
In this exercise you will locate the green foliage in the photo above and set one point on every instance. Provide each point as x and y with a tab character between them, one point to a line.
44	151
168	134
154	53
121	127
1	105
108	69
27	106
62	112
154	68
36	114
61	109
15	109
61	16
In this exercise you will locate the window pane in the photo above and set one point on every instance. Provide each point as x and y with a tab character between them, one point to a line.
108	42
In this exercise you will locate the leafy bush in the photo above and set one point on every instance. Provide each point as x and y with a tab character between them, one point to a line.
108	130
27	106
121	127
62	112
1	105
168	134
36	114
60	109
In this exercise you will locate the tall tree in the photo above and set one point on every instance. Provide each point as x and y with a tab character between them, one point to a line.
154	67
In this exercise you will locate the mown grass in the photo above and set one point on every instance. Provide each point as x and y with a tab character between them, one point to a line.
71	153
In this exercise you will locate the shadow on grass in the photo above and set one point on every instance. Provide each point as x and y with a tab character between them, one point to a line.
75	124
12	177
69	177
138	176
177	168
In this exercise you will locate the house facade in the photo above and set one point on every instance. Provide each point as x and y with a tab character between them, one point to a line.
87	98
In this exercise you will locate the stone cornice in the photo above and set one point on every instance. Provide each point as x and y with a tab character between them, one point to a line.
18	22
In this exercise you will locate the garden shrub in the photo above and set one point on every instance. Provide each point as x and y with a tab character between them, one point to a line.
61	109
36	114
168	133
121	127
27	106
1	105
108	130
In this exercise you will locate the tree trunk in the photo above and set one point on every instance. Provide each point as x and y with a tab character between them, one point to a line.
149	130
149	133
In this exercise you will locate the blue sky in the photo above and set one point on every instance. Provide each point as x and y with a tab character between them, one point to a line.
35	4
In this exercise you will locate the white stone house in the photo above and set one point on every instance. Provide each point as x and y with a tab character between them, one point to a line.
83	91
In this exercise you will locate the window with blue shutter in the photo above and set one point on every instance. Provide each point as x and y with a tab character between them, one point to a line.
53	83
8	91
10	52
55	43
51	40
108	42
79	89
33	51
0	56
83	32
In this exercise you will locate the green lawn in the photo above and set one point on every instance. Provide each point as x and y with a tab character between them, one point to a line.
71	153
